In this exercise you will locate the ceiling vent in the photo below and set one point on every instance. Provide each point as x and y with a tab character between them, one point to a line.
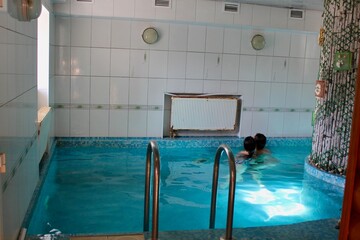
231	7
296	14
163	3
88	1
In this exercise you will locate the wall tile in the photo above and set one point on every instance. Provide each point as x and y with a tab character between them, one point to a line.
194	86
293	95
195	65
308	96
178	37
296	70
312	47
228	87
120	62
205	11
263	69
247	68
62	89
261	16
103	8
176	64
62	61
118	123
275	126
155	124
214	39
296	24
80	61
100	62
305	128
268	50
79	123
278	17
232	39
124	8
245	124
137	123
312	20
262	94
81	8
260	121
139	63
277	95
138	91
185	10
298	45
175	85
62	31
212	86
282	44
291	124
158	64
100	32
212	68
99	90
196	38
144	9
120	33
80	90
156	90
311	70
80	31
99	123
119	90
246	90
279	69
230	67
62	122
245	16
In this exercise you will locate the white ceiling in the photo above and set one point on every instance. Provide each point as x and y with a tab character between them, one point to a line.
299	4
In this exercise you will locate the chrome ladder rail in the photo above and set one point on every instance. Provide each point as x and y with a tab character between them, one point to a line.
231	196
152	149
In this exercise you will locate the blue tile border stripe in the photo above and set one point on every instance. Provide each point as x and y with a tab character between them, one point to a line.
327	177
182	142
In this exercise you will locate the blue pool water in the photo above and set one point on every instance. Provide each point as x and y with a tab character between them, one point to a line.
94	189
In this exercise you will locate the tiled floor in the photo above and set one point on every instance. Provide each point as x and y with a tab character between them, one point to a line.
313	230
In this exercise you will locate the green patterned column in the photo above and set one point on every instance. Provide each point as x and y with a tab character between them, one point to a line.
338	62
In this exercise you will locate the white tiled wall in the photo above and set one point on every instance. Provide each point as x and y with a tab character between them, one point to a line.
110	83
18	111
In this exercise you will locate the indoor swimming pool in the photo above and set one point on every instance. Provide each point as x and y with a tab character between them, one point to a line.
96	186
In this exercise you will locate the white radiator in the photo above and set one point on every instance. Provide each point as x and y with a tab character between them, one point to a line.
201	114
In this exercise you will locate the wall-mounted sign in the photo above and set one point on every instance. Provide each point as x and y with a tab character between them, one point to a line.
342	61
321	38
320	88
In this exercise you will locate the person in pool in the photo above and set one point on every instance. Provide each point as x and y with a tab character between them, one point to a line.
249	146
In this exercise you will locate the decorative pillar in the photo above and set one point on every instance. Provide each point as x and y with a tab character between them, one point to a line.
340	41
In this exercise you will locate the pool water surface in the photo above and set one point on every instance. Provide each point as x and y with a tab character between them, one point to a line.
97	190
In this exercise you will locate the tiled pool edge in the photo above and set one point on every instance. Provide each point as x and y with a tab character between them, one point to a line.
192	142
327	177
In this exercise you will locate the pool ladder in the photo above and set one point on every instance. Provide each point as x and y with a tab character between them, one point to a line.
231	195
153	149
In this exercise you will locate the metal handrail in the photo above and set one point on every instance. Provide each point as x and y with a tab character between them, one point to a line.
152	149
231	197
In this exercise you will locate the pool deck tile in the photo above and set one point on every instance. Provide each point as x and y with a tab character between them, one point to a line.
125	237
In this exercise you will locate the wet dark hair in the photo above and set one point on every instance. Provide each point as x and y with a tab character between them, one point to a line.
260	141
249	145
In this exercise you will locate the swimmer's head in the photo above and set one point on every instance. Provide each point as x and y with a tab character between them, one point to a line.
260	141
249	145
